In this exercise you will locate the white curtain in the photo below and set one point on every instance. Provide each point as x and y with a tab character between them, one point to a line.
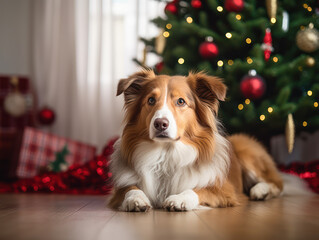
81	48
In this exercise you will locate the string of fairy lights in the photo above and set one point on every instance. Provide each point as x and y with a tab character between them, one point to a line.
228	35
249	60
270	110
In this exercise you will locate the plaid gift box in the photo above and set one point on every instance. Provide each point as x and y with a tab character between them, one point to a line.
38	150
11	127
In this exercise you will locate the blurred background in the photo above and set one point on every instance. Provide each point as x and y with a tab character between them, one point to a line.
73	54
61	60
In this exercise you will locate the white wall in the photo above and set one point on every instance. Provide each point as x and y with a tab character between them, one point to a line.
15	37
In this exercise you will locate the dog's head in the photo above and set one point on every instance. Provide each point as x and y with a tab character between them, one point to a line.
165	108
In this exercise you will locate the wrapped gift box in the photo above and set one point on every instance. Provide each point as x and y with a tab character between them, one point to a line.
305	148
11	127
39	148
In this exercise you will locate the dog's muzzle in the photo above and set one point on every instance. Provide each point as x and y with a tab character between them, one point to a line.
161	124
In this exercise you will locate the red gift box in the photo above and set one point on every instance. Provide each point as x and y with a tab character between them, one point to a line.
11	127
38	149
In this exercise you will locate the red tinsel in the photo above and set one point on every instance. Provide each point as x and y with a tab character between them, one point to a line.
308	171
91	178
94	177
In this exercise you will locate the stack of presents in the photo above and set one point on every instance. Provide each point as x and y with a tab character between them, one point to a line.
30	156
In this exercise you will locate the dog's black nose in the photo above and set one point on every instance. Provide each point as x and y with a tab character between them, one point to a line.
161	124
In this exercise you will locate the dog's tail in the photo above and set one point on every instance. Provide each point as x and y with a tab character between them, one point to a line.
294	186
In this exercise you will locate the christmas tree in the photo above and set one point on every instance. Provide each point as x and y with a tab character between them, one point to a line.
266	52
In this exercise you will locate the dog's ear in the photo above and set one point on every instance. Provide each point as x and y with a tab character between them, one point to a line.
131	86
210	90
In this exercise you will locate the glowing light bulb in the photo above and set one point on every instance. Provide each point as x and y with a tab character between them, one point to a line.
275	59
248	40
247	101
262	117
240	106
230	62
189	20
228	35
169	26
315	104
309	93
166	34
304	123
181	60
273	20
220	63
238	17
220	9
270	109
249	60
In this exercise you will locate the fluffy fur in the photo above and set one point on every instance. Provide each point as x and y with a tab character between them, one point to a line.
184	161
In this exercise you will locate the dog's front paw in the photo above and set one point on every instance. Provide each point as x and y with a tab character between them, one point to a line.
184	201
260	191
264	191
135	201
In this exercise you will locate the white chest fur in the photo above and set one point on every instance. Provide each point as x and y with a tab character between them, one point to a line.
163	169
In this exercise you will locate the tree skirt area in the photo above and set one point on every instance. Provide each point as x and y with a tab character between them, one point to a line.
94	177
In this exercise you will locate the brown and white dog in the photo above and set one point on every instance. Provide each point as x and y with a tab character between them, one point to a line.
172	154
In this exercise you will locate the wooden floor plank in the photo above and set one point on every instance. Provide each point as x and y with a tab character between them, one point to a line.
87	222
180	226
129	226
37	215
52	217
282	218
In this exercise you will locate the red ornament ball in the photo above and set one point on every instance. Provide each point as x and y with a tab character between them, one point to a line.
196	4
252	87
234	5
159	66
46	116
171	8
208	50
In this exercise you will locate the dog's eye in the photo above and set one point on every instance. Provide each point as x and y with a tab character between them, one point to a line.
151	101
181	102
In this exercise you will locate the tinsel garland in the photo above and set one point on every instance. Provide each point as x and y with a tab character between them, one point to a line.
308	171
91	178
94	177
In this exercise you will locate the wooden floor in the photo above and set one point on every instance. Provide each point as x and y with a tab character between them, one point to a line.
45	217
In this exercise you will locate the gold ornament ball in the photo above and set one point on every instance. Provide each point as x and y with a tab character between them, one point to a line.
310	61
308	39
